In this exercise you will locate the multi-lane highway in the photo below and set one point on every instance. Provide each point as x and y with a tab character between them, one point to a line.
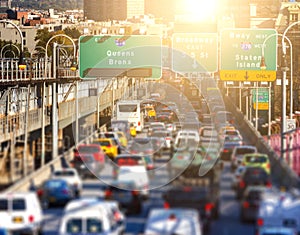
227	224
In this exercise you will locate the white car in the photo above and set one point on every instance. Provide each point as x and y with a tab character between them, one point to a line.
238	153
137	174
278	208
208	135
187	134
173	221
88	216
21	213
71	176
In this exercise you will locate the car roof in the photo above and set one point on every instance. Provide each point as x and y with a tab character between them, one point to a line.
17	194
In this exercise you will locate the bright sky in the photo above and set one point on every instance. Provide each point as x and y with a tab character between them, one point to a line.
200	9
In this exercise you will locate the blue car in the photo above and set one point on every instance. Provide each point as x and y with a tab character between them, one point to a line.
55	192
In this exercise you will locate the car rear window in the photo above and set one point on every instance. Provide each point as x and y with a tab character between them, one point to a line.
254	195
103	142
18	204
54	184
256	159
74	226
93	226
64	173
187	194
245	150
3	204
88	149
209	132
255	173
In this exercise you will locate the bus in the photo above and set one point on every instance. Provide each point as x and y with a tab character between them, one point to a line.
131	111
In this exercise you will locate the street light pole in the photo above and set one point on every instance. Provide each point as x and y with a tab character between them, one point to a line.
283	85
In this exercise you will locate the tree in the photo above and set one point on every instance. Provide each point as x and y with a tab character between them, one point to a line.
72	32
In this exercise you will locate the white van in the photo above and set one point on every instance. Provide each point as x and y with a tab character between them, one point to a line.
173	221
88	216
279	208
21	212
137	174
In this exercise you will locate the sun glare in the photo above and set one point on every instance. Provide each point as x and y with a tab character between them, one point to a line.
201	9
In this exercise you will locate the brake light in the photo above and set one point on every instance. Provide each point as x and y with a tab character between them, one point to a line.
260	222
31	219
139	123
135	193
40	192
268	166
246	204
225	150
117	216
268	184
166	205
187	189
242	184
108	193
209	207
108	146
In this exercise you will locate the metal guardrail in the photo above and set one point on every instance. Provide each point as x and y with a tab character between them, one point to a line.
43	173
282	174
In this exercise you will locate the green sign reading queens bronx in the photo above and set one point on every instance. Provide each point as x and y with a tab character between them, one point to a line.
111	56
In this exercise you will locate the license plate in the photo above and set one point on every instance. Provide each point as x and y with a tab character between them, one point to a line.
18	219
52	199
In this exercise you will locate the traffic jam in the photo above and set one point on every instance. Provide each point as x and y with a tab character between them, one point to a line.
165	165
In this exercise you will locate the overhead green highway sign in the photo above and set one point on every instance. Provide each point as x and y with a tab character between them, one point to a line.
241	53
195	52
119	55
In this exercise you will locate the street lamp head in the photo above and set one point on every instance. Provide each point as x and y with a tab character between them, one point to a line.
263	65
74	66
21	63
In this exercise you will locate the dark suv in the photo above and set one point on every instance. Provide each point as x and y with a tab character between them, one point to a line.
202	198
252	176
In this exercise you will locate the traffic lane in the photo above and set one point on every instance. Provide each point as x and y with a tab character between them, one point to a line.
229	221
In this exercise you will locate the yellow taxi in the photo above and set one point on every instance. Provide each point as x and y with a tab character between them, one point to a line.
150	112
108	145
122	138
132	130
257	160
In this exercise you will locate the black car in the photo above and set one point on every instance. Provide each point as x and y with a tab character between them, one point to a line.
252	176
250	203
86	166
205	199
130	200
